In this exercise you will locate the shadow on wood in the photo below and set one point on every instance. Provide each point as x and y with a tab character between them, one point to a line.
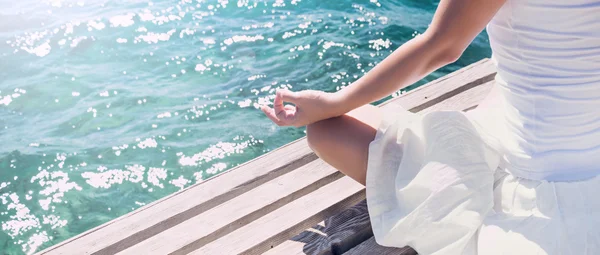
341	233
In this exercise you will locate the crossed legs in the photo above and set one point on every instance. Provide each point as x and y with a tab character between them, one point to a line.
343	142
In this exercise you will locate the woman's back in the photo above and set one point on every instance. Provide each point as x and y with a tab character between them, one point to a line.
548	57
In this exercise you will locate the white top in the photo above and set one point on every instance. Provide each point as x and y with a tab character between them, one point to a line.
548	58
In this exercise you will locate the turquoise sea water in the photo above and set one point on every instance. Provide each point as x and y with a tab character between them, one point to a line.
106	106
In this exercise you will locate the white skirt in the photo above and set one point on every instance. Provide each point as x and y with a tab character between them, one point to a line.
435	182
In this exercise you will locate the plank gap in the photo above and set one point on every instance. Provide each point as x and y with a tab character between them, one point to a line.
453	92
203	207
257	214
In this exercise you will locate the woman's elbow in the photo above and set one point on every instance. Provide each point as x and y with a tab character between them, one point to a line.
450	55
445	49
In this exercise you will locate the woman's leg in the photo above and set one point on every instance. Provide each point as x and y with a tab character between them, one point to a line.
343	142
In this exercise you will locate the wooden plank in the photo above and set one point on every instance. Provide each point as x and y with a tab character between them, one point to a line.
338	234
172	210
277	226
370	247
298	244
466	100
239	211
289	247
156	217
447	86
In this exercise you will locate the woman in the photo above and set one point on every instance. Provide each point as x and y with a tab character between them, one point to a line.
516	176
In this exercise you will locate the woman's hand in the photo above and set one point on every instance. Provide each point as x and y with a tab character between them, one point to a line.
309	106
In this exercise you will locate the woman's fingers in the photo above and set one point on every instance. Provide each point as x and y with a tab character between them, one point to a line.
286	116
287	96
281	114
270	112
290	108
282	96
278	103
290	114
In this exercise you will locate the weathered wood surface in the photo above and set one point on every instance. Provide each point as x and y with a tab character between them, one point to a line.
172	210
261	204
370	247
276	227
446	87
464	101
239	211
336	235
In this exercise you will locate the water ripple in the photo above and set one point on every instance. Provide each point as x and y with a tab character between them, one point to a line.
106	106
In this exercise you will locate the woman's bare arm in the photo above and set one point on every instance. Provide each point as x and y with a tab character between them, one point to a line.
455	24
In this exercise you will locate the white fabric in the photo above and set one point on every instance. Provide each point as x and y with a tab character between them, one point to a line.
548	59
436	183
519	176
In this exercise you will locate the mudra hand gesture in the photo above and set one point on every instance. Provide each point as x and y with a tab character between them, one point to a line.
309	106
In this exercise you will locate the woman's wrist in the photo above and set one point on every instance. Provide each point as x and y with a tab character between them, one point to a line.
340	103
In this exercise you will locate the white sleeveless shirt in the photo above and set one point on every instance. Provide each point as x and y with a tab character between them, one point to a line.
548	59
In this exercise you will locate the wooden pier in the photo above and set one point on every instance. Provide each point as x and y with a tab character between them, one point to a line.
285	202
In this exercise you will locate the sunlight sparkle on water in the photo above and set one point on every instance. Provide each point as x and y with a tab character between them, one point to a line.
139	100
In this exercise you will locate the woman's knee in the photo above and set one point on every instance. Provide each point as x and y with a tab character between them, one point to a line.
317	135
